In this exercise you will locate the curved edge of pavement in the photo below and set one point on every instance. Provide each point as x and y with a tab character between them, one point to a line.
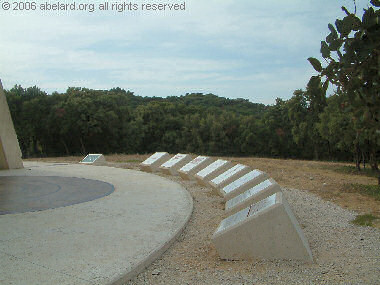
154	255
105	241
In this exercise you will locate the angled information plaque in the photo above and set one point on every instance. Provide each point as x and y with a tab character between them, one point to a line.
94	159
267	229
229	176
171	166
152	163
251	196
241	184
216	168
187	172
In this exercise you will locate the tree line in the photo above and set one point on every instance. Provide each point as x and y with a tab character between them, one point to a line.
82	121
310	125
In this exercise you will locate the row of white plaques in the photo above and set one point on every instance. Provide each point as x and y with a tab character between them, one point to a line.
259	222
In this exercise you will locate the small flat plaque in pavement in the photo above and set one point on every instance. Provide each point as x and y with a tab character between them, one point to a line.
93	158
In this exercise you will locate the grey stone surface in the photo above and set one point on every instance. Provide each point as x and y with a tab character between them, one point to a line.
200	162
243	183
266	230
105	241
152	163
94	158
228	177
21	194
172	166
10	153
216	168
251	196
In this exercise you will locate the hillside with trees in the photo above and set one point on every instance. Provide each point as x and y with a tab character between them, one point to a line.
310	125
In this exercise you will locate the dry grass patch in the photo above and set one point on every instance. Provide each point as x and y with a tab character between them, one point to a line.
331	181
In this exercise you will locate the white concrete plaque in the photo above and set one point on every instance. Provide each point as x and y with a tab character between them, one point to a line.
244	196
93	159
194	163
252	195
266	230
153	158
241	181
152	163
187	172
233	219
172	166
216	168
246	212
174	160
262	205
242	184
227	176
211	168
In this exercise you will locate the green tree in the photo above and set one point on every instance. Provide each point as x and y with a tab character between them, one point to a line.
351	52
336	127
279	139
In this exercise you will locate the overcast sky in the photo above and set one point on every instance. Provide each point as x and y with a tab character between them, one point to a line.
249	49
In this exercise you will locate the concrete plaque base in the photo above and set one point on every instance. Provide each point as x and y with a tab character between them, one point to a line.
187	172
229	176
240	185
265	230
94	159
251	196
216	168
172	166
152	163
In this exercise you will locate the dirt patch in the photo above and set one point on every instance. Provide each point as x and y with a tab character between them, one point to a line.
339	248
319	178
313	176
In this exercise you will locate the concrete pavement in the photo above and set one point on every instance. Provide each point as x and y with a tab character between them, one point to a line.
104	241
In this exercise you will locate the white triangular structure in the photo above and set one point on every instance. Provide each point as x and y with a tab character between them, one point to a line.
152	163
187	171
94	159
10	153
265	230
228	176
216	168
243	183
252	196
172	166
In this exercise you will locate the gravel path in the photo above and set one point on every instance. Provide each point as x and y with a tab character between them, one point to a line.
343	253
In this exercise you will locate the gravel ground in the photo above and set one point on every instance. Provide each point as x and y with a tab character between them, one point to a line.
343	253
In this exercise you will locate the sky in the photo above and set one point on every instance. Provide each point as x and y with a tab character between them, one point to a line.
251	49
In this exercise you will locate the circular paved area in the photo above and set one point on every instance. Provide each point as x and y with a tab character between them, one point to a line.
20	194
103	241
